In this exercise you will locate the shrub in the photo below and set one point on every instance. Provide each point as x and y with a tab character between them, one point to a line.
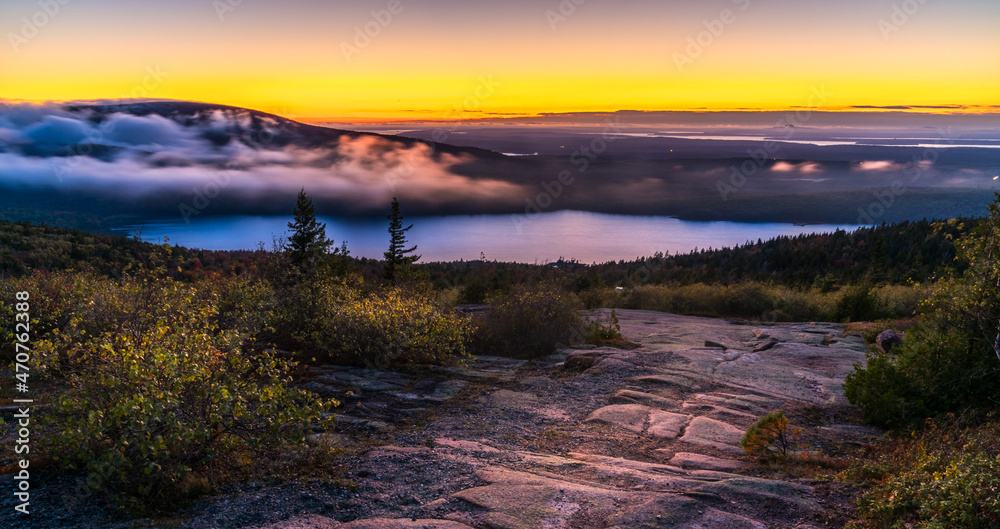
304	316
945	477
601	298
747	300
164	396
886	397
396	326
858	303
770	435
530	321
596	332
750	299
901	301
941	491
334	319
248	305
942	366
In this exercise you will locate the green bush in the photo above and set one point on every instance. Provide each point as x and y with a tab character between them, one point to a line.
858	303
304	318
596	332
396	327
943	365
164	396
249	305
749	299
335	320
530	321
901	301
941	491
886	397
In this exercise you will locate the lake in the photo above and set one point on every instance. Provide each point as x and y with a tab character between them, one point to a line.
586	237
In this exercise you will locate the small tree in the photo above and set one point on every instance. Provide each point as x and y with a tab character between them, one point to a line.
307	245
398	257
771	432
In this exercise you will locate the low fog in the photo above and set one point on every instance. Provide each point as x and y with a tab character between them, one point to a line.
227	153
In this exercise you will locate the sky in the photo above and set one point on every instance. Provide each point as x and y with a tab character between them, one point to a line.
391	60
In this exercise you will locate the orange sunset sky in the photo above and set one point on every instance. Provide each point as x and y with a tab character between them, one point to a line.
412	59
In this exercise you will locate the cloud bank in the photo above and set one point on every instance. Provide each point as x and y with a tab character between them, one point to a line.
229	151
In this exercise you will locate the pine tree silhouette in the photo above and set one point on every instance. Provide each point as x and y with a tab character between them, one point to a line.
397	258
307	245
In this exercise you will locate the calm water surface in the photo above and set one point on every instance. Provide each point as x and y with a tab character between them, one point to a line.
586	237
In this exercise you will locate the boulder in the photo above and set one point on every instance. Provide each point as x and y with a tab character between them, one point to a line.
888	339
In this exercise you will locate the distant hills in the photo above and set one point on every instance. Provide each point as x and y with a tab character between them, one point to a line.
252	127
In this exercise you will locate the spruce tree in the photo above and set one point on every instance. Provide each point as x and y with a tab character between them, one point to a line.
398	257
307	245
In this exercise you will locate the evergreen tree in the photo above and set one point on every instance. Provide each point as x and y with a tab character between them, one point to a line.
879	267
307	245
397	258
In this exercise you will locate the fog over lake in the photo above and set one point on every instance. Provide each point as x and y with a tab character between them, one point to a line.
586	237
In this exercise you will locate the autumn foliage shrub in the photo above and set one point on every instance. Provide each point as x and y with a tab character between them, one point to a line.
945	476
163	395
770	436
530	321
338	321
394	326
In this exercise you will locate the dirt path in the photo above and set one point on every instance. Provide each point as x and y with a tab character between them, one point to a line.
594	438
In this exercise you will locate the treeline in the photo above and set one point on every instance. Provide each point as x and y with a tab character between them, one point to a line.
895	254
26	247
888	254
